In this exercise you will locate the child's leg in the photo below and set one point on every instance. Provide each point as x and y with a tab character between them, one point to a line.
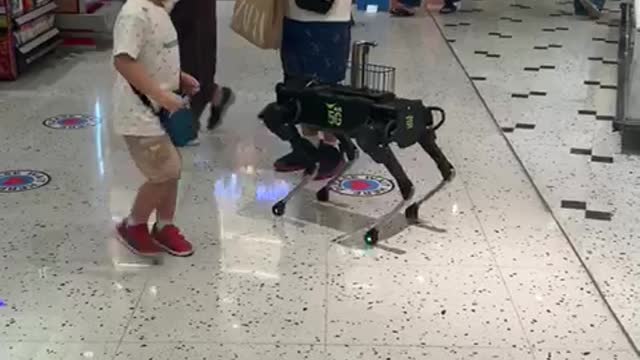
160	163
166	209
145	203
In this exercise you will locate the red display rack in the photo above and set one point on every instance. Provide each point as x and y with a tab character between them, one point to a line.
27	32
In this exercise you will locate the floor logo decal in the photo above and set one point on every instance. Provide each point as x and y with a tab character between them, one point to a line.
13	181
362	185
70	121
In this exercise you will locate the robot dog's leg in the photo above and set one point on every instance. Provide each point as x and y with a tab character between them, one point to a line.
346	147
384	155
277	119
428	142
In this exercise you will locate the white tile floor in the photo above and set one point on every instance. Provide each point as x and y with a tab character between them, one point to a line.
608	247
490	277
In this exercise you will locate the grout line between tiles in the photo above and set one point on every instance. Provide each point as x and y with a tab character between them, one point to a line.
126	327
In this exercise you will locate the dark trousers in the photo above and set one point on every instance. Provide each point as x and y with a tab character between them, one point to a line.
195	22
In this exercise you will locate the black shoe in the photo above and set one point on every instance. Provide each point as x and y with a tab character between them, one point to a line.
449	8
293	161
331	161
217	112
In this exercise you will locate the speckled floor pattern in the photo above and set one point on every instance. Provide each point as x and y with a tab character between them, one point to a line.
489	275
552	89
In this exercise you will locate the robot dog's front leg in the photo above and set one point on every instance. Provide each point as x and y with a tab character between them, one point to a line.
427	141
281	120
382	154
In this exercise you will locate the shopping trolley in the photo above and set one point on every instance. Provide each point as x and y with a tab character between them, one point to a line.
365	110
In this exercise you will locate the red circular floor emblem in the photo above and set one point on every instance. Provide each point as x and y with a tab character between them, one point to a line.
362	185
12	181
70	121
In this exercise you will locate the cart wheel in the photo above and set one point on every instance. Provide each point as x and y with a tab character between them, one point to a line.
323	194
412	212
371	237
278	208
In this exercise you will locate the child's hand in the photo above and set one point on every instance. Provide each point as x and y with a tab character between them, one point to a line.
189	84
172	102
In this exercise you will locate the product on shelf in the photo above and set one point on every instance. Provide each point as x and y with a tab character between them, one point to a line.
27	32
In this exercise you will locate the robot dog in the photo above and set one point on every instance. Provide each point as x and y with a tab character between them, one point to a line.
366	111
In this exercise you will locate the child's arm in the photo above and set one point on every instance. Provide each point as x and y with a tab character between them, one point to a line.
137	75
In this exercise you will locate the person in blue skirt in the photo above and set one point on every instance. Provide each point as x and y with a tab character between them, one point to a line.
316	46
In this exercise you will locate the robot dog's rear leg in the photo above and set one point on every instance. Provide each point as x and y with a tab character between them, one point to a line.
302	145
385	156
348	148
428	142
277	119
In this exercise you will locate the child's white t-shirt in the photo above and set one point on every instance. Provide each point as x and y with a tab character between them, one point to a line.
339	12
144	32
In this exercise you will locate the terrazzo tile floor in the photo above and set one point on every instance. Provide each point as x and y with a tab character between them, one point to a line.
562	130
488	275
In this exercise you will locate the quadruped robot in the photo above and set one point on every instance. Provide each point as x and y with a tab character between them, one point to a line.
367	111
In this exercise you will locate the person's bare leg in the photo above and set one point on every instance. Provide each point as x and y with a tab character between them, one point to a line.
146	202
329	138
166	209
216	99
310	134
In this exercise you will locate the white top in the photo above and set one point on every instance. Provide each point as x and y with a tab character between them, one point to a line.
144	31
340	12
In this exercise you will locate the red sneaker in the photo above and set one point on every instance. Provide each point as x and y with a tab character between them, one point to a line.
137	239
172	241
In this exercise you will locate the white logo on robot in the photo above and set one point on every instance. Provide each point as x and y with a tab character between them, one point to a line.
334	114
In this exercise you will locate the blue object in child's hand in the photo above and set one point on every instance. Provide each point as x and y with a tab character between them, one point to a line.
179	126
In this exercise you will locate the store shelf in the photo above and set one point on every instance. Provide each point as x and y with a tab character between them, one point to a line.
29	33
34	29
35	13
33	44
43	51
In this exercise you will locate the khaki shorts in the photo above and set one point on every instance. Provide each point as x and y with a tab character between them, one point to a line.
156	157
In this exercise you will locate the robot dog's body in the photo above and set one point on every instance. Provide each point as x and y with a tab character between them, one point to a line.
373	118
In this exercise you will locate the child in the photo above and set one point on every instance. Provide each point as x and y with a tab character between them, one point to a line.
316	46
145	50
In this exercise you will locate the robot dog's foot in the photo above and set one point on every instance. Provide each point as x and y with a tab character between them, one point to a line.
412	213
279	208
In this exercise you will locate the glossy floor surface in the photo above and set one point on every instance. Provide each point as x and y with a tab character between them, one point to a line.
488	275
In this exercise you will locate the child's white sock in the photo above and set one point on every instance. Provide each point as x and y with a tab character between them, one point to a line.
130	221
160	224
